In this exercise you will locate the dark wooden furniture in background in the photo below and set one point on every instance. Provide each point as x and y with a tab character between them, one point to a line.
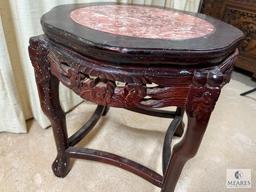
158	65
242	14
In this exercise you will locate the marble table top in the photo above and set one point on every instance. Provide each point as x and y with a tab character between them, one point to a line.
136	34
142	22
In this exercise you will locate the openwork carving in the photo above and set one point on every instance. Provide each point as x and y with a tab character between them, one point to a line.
100	87
99	90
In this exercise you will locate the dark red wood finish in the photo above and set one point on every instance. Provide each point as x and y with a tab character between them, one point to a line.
63	57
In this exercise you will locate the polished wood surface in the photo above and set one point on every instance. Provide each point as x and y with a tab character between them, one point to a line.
140	87
242	14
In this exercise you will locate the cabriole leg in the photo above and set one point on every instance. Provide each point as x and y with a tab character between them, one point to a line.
48	89
201	101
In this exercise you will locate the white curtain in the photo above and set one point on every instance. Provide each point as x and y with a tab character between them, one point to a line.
21	20
12	118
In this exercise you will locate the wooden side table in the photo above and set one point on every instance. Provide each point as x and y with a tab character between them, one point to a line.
138	58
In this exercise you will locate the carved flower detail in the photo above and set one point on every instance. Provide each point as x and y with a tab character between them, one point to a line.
97	91
134	94
103	92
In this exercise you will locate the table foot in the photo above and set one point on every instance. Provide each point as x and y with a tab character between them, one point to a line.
61	166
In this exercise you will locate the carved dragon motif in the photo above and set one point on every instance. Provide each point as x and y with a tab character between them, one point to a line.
99	86
103	90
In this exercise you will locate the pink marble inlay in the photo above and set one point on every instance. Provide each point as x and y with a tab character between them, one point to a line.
142	22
